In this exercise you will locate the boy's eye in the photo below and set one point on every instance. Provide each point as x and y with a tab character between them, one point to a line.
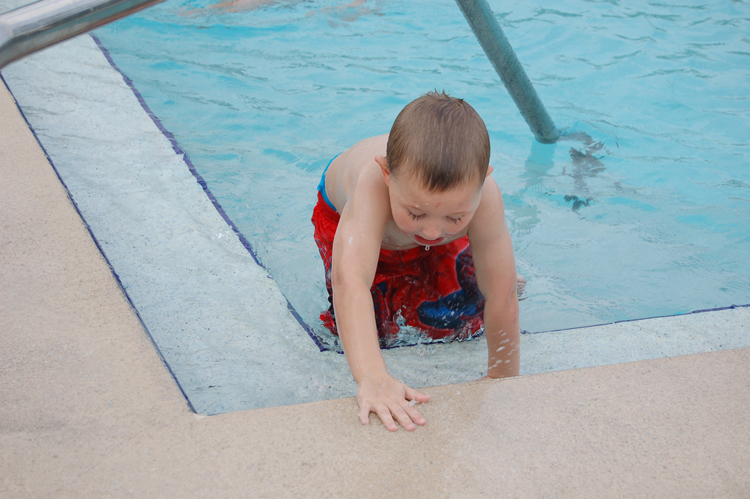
455	220
415	217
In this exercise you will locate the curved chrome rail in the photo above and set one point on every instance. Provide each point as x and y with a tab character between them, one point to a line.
41	24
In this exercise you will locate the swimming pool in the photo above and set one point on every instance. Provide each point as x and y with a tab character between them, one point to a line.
619	227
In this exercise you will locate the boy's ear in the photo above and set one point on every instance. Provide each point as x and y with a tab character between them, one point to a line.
383	163
490	170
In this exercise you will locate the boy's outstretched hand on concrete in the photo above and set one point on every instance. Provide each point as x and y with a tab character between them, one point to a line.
391	400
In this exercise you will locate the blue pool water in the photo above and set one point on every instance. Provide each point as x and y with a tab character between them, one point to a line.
648	217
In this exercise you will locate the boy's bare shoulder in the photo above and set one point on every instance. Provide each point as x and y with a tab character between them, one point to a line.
360	154
348	168
489	219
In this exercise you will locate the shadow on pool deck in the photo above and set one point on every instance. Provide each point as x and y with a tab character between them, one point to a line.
89	410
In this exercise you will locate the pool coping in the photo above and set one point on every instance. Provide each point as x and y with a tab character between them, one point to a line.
91	410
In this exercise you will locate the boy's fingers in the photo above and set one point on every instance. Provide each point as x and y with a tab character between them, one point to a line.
364	413
414	415
412	394
421	397
403	418
385	416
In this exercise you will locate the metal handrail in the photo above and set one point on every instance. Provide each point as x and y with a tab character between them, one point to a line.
503	58
47	22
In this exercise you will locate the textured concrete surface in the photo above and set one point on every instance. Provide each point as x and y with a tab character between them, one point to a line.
89	410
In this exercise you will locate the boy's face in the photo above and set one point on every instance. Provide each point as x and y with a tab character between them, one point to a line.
429	218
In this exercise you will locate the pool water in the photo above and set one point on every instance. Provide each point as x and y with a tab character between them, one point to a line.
642	210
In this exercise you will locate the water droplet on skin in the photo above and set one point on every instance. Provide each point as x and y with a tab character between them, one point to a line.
350	240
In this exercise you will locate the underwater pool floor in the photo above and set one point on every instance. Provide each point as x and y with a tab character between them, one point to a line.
219	320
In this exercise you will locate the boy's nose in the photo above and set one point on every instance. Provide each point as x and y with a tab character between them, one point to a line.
432	232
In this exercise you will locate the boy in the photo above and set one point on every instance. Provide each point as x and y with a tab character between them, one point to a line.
411	227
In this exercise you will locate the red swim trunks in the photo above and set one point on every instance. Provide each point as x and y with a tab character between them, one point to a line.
434	291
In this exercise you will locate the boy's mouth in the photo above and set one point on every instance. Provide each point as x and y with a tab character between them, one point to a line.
427	242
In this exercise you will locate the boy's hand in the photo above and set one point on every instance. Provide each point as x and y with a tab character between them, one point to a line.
390	399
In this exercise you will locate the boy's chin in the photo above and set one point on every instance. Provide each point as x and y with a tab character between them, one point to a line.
427	242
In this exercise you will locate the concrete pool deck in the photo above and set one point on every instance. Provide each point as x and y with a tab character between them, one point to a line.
90	410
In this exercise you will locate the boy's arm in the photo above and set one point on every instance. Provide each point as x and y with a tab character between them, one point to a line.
496	276
356	248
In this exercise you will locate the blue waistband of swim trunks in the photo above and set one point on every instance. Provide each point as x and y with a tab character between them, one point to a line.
322	185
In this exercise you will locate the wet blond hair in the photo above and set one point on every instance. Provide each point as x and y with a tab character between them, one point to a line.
440	140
